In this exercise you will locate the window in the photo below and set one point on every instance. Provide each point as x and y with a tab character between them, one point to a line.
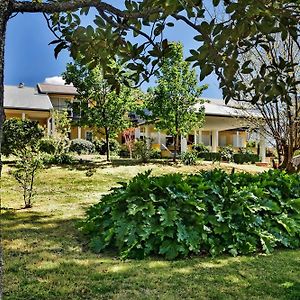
60	103
89	136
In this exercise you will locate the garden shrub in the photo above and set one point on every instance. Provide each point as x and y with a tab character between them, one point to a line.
155	153
211	212
226	153
124	151
81	146
141	150
209	156
47	145
100	146
58	159
189	158
241	158
18	134
200	148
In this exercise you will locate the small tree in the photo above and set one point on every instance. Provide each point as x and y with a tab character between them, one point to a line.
62	128
128	135
18	134
99	104
172	101
29	162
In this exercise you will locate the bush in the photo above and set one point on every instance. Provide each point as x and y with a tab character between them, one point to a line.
18	134
47	145
210	212
245	150
100	146
241	158
226	153
189	158
141	151
58	159
155	153
200	148
81	146
251	144
209	156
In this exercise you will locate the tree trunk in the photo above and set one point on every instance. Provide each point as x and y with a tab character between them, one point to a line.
287	164
4	16
107	143
175	147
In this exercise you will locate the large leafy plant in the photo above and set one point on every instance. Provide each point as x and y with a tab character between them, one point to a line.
210	212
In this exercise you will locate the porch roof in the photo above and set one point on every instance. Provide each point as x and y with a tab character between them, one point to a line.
217	107
26	98
46	88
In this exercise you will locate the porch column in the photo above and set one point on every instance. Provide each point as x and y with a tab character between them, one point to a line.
52	126
147	136
262	146
238	139
195	137
200	137
183	144
137	133
215	140
48	126
23	116
159	138
79	132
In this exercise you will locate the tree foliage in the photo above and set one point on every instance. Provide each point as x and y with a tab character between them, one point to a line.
172	102
18	134
98	103
25	171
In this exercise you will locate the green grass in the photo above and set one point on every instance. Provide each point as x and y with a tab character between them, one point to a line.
46	259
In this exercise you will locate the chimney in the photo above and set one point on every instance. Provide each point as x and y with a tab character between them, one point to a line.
21	85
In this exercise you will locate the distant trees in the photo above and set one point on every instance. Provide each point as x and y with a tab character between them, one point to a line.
98	103
172	101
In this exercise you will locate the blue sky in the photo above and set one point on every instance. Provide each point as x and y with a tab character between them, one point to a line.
30	59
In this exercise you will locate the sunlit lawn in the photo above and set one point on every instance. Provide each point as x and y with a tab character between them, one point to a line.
46	259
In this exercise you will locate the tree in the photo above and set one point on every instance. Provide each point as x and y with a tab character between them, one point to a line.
60	133
172	101
253	47
25	172
279	119
99	104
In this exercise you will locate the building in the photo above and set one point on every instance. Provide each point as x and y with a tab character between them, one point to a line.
27	103
223	126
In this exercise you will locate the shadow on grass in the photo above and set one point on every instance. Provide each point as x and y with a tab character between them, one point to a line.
87	165
44	260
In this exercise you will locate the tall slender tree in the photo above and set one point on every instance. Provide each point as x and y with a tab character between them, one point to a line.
172	102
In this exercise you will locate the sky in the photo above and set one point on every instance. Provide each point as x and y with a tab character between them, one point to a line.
29	58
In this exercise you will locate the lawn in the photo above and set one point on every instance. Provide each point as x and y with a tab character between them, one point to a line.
46	259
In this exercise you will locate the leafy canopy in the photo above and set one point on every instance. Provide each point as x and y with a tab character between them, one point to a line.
98	103
172	102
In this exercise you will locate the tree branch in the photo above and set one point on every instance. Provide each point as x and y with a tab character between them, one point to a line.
56	7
